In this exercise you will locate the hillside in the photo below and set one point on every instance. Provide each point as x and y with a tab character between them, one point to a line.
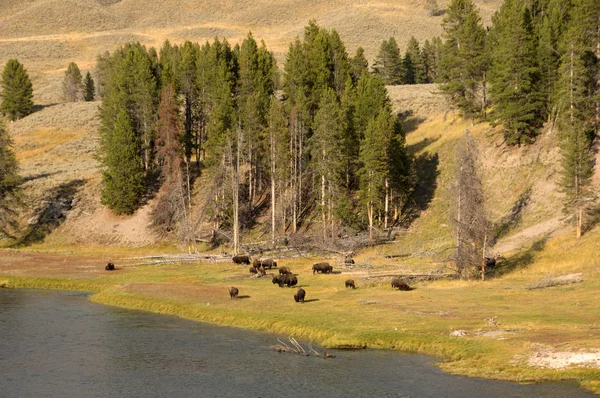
45	35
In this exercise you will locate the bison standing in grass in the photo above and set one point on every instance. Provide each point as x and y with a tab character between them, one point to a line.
253	270
269	263
288	280
299	296
110	267
350	284
400	284
323	268
284	271
233	292
239	259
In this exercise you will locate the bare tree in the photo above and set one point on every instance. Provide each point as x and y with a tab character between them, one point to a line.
472	225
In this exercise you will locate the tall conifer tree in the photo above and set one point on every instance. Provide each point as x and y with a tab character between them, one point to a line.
89	88
10	183
461	69
515	75
578	94
17	91
388	63
123	174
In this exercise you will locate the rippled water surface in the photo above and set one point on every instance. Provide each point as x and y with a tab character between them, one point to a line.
58	344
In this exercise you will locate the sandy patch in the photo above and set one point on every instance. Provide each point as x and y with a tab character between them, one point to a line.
544	357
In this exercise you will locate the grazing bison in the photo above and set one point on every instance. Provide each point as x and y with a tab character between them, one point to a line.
262	271
284	271
110	267
256	263
288	280
241	259
348	260
253	270
400	284
323	268
299	296
350	283
233	292
269	263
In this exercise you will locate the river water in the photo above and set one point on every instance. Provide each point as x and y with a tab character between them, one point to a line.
58	344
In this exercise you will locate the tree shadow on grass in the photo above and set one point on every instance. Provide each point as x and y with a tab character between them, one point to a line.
593	219
521	260
410	123
513	218
38	176
427	173
419	146
52	213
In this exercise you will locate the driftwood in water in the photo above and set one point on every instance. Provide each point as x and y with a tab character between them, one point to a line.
296	348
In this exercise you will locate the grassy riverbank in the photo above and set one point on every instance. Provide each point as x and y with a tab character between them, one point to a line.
526	323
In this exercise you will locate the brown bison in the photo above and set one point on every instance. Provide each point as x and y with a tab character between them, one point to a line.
256	263
239	259
262	271
110	267
323	268
288	280
269	263
400	284
299	296
350	283
233	292
348	260
253	270
284	270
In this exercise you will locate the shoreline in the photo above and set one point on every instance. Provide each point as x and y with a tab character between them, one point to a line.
338	318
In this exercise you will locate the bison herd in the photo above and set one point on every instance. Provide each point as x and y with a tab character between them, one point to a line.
288	279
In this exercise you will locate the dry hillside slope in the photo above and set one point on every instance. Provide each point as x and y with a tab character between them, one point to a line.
46	35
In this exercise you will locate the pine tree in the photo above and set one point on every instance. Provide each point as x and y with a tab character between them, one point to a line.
72	83
130	87
10	183
186	79
358	64
371	97
415	73
374	158
169	65
578	94
463	62
254	92
431	53
327	154
279	159
388	63
552	27
515	75
123	174
17	91
89	89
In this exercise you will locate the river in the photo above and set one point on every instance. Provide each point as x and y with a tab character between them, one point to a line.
58	344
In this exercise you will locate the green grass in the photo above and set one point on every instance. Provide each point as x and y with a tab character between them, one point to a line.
562	317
